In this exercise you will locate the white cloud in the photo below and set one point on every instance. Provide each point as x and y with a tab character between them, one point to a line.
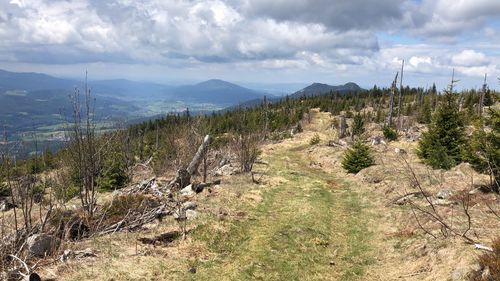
469	58
313	38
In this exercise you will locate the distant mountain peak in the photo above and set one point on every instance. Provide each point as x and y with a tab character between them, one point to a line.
316	89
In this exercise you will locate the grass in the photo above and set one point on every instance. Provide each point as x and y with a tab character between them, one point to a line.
298	232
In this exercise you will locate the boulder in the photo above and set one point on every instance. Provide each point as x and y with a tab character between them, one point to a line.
41	245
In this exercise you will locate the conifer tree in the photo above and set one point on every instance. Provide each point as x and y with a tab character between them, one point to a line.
441	147
357	158
484	150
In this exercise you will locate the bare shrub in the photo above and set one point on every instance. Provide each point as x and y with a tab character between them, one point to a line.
247	150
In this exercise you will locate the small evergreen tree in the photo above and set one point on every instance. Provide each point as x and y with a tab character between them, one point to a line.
358	125
390	134
357	158
484	150
441	147
424	115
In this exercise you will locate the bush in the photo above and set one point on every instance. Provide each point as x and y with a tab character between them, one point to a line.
390	134
357	158
314	140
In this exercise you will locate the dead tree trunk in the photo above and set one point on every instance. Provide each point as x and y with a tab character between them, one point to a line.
183	176
391	100
342	127
481	97
398	127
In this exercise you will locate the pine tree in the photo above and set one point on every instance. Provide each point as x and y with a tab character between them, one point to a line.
484	150
441	147
357	125
357	158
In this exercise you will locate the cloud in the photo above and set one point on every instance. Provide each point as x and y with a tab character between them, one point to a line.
333	14
312	38
469	58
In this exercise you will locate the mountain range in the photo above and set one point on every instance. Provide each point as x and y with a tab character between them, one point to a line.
39	102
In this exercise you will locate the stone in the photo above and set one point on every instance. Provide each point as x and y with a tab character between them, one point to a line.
400	151
444	194
225	170
187	191
6	204
189	205
41	245
191	214
486	275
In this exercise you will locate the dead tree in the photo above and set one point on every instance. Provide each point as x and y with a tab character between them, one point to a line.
183	176
391	99
342	127
399	96
481	96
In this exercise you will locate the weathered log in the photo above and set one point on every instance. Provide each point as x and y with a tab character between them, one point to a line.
183	176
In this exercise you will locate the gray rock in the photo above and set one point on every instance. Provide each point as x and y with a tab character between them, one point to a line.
189	205
191	214
41	245
6	204
225	170
444	194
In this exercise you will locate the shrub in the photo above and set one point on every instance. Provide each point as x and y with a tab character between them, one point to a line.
314	140
390	134
357	158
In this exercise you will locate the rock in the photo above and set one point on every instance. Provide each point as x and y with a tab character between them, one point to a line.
41	245
187	191
410	196
378	141
189	205
444	194
315	165
400	151
225	170
486	275
191	214
443	202
70	254
224	162
6	204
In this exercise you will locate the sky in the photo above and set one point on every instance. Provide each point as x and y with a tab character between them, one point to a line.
256	41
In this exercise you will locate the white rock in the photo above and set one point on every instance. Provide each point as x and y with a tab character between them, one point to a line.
191	214
188	190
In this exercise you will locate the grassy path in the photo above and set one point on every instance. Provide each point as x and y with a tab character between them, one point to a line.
311	227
